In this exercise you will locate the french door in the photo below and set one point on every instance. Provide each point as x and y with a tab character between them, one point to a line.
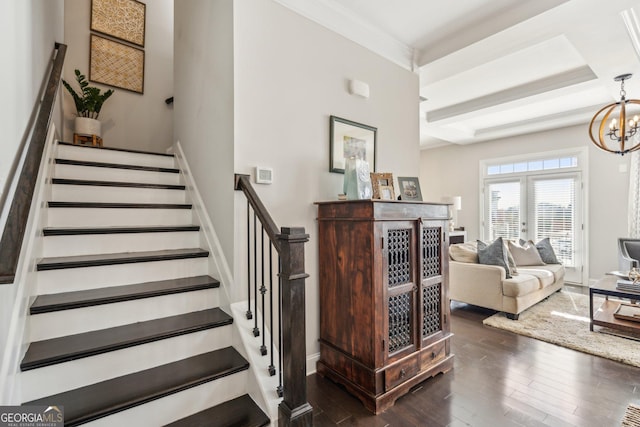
537	206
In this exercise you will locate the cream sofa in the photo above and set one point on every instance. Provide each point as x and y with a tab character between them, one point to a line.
487	285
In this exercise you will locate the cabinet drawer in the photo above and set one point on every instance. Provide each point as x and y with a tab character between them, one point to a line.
432	355
399	373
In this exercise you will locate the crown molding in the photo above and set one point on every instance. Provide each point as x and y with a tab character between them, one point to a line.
337	18
633	28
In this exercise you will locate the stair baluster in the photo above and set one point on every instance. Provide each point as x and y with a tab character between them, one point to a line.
271	368
263	291
249	314
256	330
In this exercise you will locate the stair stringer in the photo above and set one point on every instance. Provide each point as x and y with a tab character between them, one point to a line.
260	385
218	265
17	296
248	346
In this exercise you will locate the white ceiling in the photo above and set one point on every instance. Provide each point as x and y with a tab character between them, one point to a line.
496	68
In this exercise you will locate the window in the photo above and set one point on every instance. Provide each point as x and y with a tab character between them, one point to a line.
536	198
533	165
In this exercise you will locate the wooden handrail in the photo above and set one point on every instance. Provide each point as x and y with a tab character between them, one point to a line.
243	183
294	410
15	226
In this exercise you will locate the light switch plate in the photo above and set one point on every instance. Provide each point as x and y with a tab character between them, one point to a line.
264	175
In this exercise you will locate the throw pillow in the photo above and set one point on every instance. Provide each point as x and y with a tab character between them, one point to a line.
526	254
546	251
494	254
464	252
513	268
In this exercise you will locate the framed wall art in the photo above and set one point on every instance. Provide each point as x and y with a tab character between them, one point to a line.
382	184
341	131
116	64
409	188
122	19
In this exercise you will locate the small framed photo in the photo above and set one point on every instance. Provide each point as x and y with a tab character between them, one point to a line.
409	188
382	184
349	139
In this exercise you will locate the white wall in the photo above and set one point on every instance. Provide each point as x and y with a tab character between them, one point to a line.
204	112
258	90
290	75
129	119
29	31
454	170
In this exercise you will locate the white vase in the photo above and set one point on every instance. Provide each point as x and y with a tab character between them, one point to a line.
87	126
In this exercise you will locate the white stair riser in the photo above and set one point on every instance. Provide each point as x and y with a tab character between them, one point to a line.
70	375
104	217
176	406
77	279
93	193
87	244
113	156
114	174
68	322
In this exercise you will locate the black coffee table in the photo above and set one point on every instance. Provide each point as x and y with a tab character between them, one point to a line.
604	314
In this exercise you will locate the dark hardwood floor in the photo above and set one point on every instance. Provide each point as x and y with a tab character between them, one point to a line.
499	379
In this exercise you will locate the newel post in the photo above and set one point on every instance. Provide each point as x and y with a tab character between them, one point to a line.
294	410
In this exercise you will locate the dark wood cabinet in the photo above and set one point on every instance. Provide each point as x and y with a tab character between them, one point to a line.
384	303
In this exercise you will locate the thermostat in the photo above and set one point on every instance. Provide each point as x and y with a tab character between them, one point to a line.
264	175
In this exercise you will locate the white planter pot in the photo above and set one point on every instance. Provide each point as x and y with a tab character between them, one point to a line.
87	126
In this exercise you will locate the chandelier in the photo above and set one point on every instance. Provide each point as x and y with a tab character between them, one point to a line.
614	138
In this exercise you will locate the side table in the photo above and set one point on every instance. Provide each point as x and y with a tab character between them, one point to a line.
95	140
604	315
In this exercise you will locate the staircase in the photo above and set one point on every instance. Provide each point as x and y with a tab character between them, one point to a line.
126	329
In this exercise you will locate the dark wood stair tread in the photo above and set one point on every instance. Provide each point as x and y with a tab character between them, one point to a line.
124	150
56	263
76	231
87	182
239	412
71	347
112	294
109	205
108	397
116	166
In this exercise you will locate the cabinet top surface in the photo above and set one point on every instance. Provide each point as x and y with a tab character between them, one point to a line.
381	209
329	202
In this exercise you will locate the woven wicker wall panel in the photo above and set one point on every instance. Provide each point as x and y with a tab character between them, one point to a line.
116	64
123	19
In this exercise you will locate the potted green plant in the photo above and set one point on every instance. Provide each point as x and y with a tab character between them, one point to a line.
88	105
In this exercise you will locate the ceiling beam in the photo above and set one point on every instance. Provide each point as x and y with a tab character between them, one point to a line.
536	87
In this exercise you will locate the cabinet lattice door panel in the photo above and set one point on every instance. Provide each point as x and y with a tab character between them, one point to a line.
431	252
399	246
400	322
383	296
398	249
431	300
432	236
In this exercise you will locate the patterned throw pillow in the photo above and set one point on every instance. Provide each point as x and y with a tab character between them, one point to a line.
494	253
546	251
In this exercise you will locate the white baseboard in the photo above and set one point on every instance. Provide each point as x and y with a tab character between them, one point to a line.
312	361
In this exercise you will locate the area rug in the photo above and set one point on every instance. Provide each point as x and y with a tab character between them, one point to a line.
563	319
631	416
